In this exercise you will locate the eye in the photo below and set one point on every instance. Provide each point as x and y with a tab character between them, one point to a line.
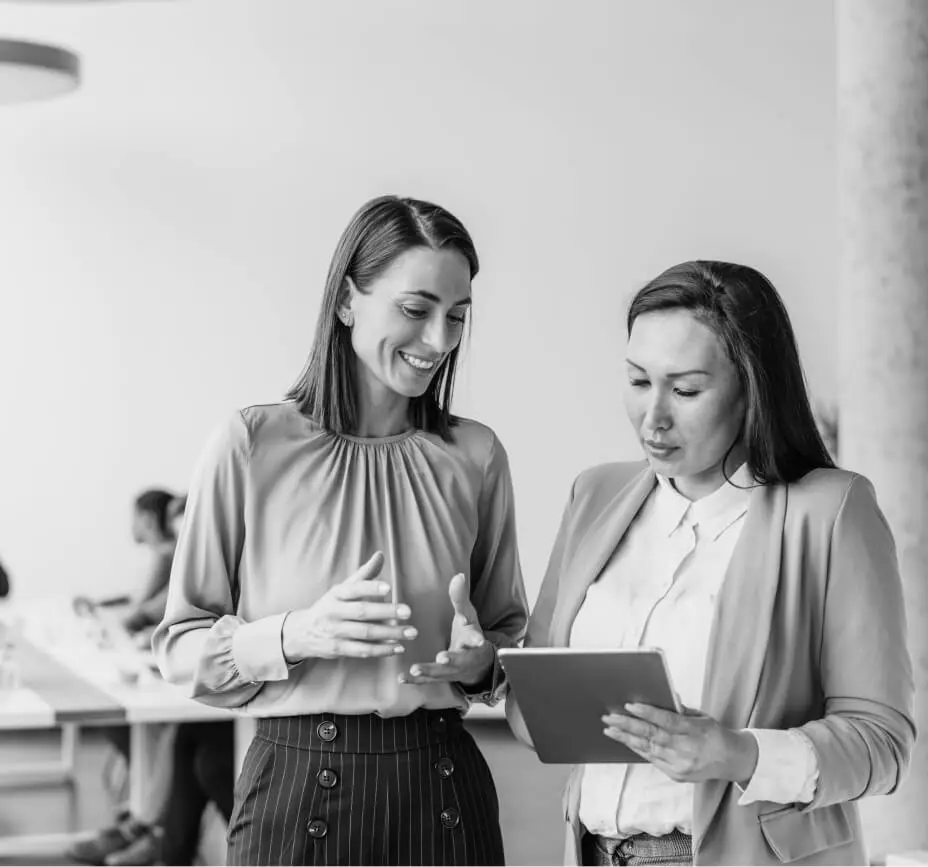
638	383
457	320
414	312
682	392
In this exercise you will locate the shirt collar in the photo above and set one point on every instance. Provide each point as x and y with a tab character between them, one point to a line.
714	513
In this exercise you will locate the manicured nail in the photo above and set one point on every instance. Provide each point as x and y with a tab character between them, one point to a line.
412	632
403	611
383	589
399	649
442	659
415	671
402	678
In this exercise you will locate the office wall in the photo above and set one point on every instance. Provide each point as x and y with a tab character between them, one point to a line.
165	232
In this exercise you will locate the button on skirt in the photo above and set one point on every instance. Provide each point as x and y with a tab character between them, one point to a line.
332	789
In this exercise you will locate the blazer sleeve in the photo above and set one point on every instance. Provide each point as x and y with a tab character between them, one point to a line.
540	621
864	742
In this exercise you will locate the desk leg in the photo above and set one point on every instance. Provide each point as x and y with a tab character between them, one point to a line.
244	732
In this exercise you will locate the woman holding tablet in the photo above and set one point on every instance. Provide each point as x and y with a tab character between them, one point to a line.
768	578
347	565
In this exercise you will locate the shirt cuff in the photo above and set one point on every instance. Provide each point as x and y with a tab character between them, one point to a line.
787	768
495	691
258	652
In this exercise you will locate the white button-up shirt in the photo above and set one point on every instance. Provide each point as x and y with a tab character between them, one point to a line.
659	590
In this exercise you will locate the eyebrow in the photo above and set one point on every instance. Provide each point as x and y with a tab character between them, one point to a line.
431	296
675	375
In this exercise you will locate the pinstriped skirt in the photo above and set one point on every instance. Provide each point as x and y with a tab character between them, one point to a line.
332	789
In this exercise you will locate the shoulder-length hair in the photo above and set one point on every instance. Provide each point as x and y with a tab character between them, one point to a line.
378	233
747	314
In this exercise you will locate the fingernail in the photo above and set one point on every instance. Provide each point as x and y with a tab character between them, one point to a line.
442	660
399	649
383	588
402	678
403	611
411	632
415	671
632	706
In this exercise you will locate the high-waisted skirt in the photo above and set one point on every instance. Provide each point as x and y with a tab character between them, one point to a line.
333	789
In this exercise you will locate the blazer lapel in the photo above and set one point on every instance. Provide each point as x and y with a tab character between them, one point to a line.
595	548
741	629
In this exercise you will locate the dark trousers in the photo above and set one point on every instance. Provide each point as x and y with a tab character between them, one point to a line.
332	789
204	771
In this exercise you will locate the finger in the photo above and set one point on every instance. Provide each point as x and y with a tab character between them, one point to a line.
371	611
636	727
644	747
666	719
431	672
370	569
460	597
366	649
375	631
350	590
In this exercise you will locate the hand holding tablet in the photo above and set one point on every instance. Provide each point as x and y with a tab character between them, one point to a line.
564	694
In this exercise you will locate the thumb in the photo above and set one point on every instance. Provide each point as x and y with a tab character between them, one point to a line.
371	569
460	598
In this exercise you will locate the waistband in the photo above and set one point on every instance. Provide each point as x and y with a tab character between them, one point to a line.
363	733
674	845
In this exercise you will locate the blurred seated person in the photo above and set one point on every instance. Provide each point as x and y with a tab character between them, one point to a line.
154	515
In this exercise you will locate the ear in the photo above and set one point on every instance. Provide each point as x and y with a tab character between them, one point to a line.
346	296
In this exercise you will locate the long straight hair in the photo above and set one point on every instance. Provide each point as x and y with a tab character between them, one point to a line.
378	233
748	316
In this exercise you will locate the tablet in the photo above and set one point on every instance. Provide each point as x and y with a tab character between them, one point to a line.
564	692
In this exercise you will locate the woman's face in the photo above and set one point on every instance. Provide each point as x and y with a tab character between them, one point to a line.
409	319
145	528
684	400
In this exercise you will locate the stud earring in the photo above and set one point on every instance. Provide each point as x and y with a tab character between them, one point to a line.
348	319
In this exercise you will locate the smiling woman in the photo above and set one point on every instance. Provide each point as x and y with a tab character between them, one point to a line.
326	539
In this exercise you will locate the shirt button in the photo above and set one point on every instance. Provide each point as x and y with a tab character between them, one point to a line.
450	817
328	731
317	828
327	778
438	724
445	767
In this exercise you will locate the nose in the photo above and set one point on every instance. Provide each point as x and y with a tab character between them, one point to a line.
438	336
657	415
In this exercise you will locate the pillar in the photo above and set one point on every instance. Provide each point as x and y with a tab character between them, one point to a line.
882	90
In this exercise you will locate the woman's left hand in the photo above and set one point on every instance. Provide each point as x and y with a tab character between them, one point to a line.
688	747
469	657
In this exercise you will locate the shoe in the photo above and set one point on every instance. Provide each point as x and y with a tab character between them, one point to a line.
106	841
144	851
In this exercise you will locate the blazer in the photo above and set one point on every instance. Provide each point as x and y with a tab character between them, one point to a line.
809	631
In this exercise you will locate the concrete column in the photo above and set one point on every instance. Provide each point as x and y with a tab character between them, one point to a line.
882	48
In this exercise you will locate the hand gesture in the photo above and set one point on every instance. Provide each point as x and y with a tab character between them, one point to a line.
351	620
469	657
688	747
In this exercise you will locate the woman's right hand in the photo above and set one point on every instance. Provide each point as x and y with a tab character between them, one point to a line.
351	620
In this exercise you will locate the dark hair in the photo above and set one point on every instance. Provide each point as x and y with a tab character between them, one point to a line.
378	233
156	502
747	314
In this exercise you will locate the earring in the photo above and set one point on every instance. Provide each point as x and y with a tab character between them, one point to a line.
348	319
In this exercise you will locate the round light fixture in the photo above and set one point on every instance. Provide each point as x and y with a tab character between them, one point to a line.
32	71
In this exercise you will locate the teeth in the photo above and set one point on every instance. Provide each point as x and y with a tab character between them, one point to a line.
419	363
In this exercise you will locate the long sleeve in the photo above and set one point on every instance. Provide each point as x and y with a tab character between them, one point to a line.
201	644
864	743
787	768
497	588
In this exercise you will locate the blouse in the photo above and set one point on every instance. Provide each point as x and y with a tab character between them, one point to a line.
281	509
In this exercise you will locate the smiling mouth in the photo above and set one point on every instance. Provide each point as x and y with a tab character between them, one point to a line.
423	365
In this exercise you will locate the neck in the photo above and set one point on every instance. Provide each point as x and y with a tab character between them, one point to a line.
702	484
381	412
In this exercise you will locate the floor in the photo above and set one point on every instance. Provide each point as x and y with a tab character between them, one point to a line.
530	797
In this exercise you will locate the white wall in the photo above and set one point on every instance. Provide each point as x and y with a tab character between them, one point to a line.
165	232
